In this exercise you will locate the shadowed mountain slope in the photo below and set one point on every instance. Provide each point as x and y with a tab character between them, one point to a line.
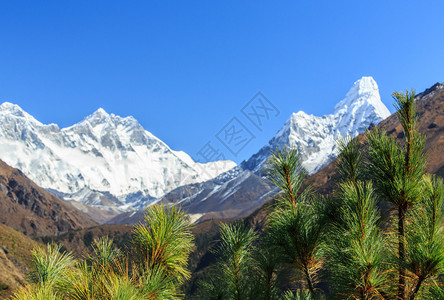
30	209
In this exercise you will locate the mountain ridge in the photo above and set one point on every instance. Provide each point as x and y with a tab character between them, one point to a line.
104	161
29	209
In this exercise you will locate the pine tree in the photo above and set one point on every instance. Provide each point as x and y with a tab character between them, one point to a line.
266	272
425	238
295	225
397	172
162	247
235	262
355	245
154	271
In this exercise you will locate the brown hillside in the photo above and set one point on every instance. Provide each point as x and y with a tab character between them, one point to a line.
15	259
79	241
30	209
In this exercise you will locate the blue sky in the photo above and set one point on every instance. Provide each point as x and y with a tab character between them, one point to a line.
186	68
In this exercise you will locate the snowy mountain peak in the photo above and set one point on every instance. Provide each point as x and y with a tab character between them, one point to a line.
100	116
299	114
365	85
8	106
364	95
10	109
104	160
100	122
315	137
362	107
100	111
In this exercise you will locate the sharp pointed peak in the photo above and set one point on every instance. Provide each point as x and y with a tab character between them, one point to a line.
100	112
297	117
360	103
363	94
8	108
365	84
103	114
100	117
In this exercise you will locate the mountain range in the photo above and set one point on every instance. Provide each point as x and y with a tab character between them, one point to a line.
243	189
111	163
104	161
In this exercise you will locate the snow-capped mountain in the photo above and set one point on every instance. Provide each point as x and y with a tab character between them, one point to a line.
315	137
104	160
107	161
235	192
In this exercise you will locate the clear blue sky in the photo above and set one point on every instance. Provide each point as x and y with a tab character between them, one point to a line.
185	68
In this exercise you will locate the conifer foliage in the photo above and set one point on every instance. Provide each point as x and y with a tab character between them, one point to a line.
398	173
343	247
155	270
356	246
295	225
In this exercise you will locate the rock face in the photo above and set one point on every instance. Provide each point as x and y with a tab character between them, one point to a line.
103	161
241	190
28	208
